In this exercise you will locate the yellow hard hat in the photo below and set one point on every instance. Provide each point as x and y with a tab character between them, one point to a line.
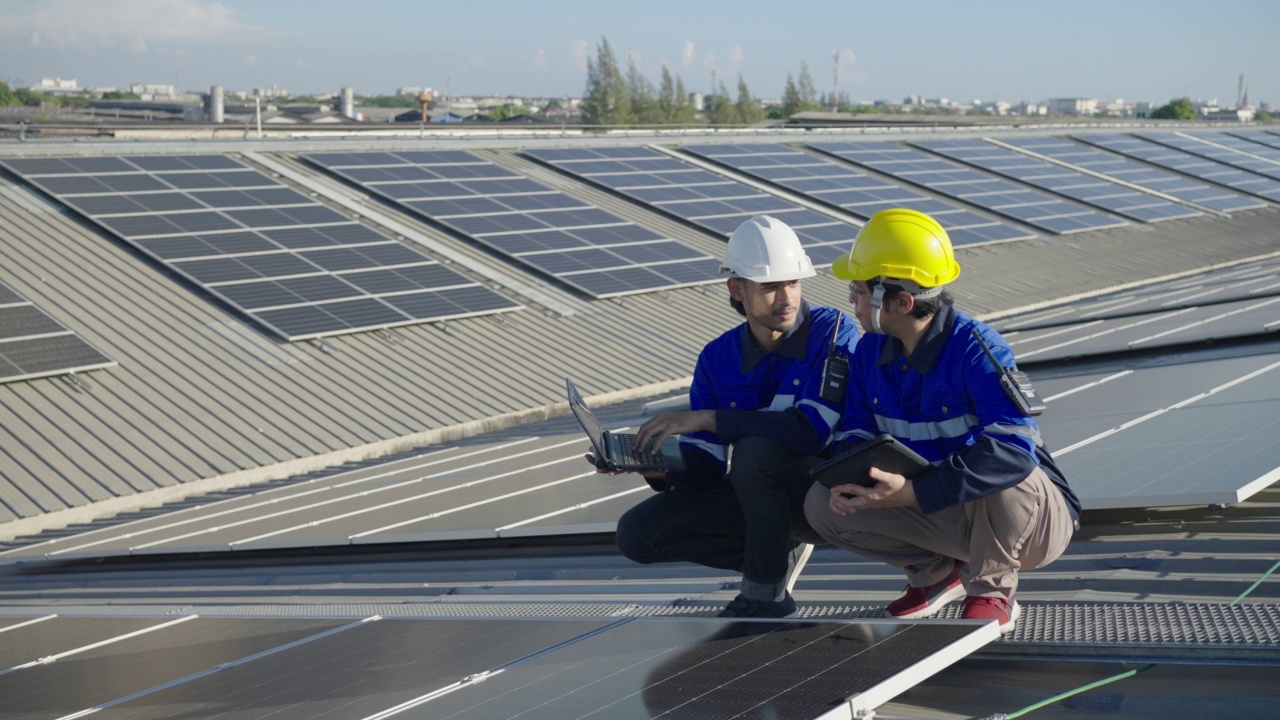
901	244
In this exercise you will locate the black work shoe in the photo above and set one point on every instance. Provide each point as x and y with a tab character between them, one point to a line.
743	607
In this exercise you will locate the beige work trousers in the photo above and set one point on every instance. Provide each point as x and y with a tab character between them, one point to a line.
1025	526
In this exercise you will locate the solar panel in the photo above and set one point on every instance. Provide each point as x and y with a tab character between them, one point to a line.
1254	317
698	196
856	192
1259	137
943	176
1219	146
1258	279
34	345
1197	429
1090	189
584	247
1186	163
1135	173
278	256
370	666
782	670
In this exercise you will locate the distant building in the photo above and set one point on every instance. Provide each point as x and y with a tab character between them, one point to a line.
56	85
1143	109
274	91
1229	115
1073	106
697	102
153	90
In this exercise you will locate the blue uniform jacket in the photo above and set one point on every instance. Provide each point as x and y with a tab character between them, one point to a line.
774	395
946	403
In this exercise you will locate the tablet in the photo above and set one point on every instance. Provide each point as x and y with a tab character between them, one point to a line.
853	466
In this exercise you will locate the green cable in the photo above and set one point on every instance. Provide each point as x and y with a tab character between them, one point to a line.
1123	675
1077	691
1257	583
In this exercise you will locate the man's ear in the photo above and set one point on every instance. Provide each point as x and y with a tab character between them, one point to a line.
905	301
735	288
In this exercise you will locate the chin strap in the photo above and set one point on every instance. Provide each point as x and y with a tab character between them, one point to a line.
877	297
917	292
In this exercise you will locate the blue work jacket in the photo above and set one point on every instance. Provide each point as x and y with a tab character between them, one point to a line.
945	402
775	395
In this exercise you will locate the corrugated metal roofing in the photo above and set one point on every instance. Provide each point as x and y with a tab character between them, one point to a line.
199	396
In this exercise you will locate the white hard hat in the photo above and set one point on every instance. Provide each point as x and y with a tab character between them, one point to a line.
764	249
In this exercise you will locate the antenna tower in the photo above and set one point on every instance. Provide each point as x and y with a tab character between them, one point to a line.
1240	91
835	82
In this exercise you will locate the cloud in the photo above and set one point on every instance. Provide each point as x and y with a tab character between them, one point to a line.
134	25
250	59
578	50
475	62
540	60
846	61
687	55
734	56
302	63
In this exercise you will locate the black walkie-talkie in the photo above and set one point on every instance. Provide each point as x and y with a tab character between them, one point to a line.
1016	384
835	371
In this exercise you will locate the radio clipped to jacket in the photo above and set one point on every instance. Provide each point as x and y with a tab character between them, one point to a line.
835	371
1016	384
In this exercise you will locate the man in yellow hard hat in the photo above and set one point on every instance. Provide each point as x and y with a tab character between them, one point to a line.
762	389
945	385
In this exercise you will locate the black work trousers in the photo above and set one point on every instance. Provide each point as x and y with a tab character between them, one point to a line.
747	524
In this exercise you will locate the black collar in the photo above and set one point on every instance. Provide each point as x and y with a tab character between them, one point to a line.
794	344
929	347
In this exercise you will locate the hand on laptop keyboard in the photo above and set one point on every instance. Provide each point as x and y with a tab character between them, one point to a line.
658	428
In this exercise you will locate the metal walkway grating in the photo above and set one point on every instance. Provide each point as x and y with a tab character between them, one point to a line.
1143	631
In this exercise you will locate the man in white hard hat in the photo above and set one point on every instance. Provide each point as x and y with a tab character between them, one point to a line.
760	389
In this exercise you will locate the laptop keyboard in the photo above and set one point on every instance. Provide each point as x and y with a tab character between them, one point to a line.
630	456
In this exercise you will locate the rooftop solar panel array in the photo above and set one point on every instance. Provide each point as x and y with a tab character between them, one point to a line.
297	267
1136	173
703	198
34	345
1260	137
1218	146
1259	279
582	246
949	178
854	191
376	666
1089	189
1186	163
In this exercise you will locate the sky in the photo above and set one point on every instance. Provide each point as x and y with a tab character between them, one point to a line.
1028	50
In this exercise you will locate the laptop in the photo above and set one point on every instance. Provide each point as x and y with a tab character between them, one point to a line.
616	451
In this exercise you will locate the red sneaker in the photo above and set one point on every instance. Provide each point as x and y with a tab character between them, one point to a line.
1004	612
918	602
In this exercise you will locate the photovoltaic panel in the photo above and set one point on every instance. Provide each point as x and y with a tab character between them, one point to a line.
708	200
949	178
582	246
1136	173
1090	189
1258	279
280	257
1250	318
701	669
1259	137
33	344
851	190
1197	428
1186	163
1225	149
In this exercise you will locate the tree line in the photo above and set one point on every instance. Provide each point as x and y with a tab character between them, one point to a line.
614	98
